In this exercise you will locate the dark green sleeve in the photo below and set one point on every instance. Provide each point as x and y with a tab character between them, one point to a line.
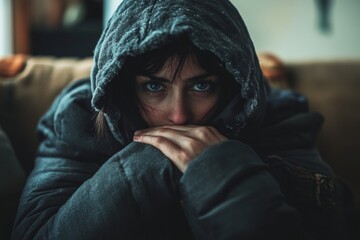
229	193
74	192
130	196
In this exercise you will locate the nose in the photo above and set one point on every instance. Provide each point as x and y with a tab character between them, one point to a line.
179	111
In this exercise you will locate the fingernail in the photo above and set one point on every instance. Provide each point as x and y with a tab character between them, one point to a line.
136	138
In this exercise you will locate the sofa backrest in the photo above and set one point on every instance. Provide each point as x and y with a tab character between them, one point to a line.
333	89
25	97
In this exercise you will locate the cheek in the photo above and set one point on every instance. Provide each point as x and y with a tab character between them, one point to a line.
204	109
146	107
152	114
153	108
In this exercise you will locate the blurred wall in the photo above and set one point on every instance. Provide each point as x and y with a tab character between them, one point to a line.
5	28
290	29
109	8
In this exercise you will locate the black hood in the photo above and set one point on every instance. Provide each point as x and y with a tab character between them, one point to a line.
139	26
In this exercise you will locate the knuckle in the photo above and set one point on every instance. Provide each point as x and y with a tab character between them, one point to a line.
194	147
188	142
161	130
191	144
159	140
184	157
203	129
212	129
203	132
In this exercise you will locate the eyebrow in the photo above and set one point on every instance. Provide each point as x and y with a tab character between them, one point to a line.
194	78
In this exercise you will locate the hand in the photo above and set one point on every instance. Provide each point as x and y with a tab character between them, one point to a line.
180	143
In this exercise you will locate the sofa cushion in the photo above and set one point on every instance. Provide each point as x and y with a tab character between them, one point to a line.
26	96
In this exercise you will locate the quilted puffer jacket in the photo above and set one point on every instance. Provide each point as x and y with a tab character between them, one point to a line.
267	182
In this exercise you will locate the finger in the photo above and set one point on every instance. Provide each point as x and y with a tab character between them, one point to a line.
196	128
175	129
183	139
201	133
157	129
170	149
170	133
217	134
180	146
183	128
206	133
157	141
184	148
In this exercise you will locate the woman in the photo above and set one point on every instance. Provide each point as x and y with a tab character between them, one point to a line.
189	142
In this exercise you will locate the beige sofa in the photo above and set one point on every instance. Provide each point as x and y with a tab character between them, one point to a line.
332	87
23	99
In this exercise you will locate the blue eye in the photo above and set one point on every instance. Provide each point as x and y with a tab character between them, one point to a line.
201	86
154	86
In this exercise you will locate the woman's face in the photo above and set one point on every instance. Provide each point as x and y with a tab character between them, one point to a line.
190	98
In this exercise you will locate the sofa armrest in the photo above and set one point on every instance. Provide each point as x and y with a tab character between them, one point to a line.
25	97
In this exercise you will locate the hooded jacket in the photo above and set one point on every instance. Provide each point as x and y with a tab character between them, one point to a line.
266	182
